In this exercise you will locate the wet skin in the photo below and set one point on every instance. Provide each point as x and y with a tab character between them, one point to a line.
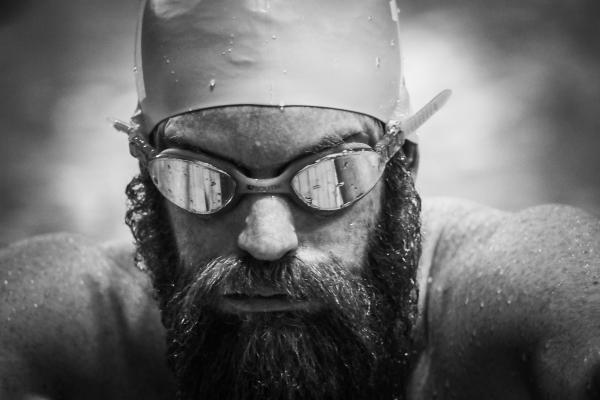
509	302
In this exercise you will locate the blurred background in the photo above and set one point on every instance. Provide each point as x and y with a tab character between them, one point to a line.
522	128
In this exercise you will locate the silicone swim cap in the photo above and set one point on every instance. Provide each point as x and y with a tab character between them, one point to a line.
197	54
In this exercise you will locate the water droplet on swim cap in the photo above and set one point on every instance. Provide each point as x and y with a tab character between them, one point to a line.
212	84
334	45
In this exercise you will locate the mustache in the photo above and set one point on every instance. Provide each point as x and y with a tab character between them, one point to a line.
328	282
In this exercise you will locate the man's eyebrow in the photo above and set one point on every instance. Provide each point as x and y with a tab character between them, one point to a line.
329	142
183	144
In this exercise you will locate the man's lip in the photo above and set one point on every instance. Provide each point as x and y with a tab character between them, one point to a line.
259	291
237	303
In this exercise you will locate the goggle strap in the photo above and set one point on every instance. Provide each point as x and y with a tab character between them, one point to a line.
396	131
388	146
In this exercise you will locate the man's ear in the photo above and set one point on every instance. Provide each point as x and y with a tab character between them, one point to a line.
411	152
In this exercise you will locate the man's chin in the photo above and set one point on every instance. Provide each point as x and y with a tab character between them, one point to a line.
281	354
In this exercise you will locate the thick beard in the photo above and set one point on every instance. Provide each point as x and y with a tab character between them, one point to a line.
357	344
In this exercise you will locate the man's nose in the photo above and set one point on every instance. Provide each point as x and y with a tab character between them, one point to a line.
269	232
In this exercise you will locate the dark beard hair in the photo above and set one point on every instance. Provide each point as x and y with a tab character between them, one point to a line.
356	345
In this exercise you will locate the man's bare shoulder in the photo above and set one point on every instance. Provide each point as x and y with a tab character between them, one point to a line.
517	295
78	318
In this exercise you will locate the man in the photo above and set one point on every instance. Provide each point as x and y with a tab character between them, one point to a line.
282	250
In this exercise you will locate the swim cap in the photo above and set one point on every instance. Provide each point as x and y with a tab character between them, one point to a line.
198	54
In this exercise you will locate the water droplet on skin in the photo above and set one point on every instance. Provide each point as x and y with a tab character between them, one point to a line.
229	50
135	70
481	305
429	280
212	84
285	71
274	37
257	143
172	72
370	18
281	106
377	62
167	61
5	282
392	42
35	305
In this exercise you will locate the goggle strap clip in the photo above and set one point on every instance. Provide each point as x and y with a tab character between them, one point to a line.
138	146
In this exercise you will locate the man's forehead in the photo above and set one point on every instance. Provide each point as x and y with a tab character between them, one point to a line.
253	135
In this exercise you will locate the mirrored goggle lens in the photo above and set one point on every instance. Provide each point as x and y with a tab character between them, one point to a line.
337	181
192	185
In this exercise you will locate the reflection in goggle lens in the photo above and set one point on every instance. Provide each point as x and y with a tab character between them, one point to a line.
192	185
331	183
334	182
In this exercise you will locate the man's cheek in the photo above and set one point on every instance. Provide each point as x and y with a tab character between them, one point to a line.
347	236
200	238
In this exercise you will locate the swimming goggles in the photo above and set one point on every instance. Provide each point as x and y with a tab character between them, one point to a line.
329	181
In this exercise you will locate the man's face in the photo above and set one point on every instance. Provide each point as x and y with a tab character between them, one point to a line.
261	142
269	299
